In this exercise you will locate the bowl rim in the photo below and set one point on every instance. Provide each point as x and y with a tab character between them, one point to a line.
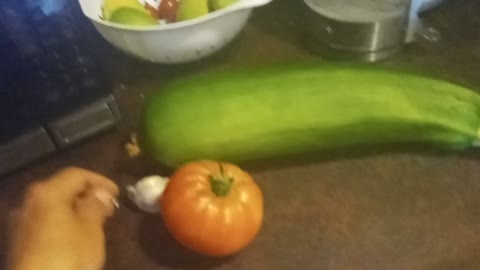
165	27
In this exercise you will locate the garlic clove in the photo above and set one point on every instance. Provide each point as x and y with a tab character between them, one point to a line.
147	191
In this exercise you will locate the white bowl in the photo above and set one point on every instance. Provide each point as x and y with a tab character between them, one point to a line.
178	42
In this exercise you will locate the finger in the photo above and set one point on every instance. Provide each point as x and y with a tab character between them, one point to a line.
95	207
70	182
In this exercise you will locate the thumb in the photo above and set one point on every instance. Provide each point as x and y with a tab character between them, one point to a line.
95	206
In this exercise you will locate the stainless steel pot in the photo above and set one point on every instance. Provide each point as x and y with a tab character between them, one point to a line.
342	32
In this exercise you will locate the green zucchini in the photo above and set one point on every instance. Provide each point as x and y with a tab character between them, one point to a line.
284	111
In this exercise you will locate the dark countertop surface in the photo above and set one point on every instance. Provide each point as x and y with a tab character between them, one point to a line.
378	211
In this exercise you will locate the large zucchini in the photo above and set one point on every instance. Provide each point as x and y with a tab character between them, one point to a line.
275	112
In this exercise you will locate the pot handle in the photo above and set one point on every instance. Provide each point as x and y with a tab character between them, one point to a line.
429	4
414	22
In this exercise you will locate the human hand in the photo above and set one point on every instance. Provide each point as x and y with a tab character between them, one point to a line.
60	223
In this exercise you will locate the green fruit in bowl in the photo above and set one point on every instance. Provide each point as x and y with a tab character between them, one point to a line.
132	16
109	6
219	4
190	9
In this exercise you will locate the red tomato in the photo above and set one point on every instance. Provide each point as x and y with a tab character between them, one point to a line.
168	10
212	208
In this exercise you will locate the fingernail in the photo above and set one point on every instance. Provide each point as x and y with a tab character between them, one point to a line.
106	199
115	203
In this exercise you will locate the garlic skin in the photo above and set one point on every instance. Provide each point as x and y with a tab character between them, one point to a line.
147	191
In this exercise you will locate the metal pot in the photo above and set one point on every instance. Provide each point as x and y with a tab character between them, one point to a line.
346	30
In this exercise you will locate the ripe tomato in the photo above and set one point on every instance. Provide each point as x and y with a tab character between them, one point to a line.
212	208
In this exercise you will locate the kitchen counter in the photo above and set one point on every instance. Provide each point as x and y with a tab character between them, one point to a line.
385	210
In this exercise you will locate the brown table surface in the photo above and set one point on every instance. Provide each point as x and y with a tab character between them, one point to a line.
377	211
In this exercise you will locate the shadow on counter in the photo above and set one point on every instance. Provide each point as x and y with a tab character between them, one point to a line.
159	245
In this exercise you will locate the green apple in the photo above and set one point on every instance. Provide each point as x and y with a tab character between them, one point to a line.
132	16
219	4
110	5
189	9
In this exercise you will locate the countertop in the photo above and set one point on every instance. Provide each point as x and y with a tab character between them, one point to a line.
390	210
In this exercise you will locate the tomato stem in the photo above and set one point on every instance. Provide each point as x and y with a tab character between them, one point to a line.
221	185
